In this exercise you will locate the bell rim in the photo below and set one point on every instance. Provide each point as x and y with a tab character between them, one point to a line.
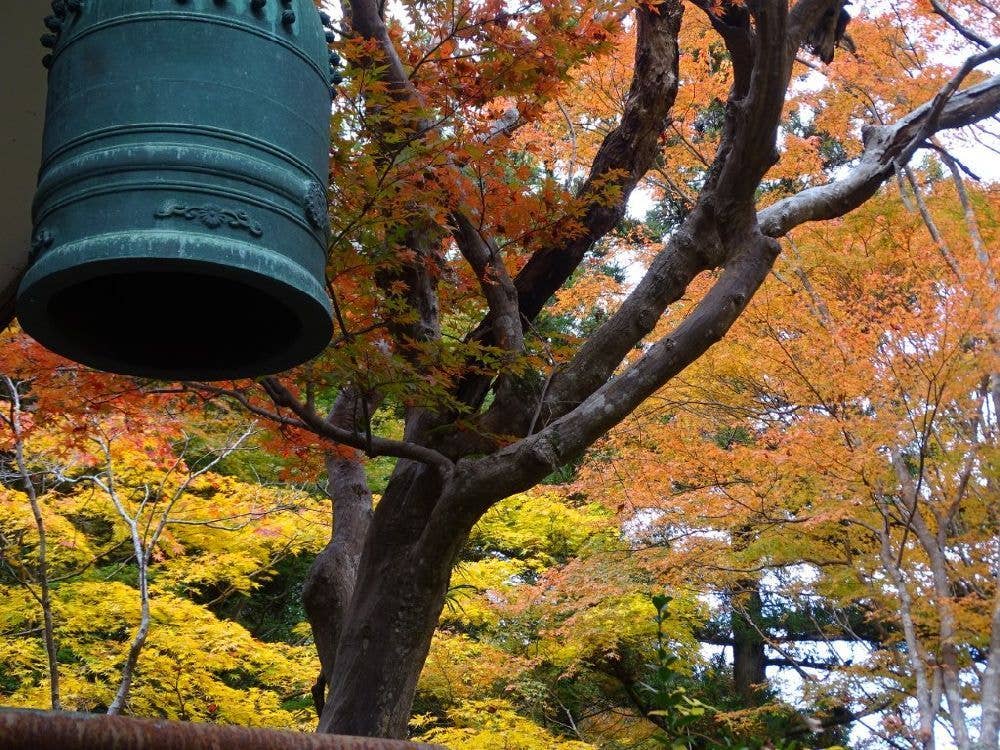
67	266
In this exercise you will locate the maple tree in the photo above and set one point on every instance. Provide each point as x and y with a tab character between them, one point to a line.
483	156
449	190
139	547
829	473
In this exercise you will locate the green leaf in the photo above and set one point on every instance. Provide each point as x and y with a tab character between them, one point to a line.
660	601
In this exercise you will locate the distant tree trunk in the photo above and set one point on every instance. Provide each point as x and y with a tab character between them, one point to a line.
142	556
989	733
747	623
749	659
927	693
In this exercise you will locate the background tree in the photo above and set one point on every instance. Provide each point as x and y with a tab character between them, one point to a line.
835	463
157	566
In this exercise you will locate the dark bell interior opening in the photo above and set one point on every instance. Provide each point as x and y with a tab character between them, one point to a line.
175	324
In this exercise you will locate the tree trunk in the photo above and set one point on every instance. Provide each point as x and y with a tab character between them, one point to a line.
330	583
42	578
142	557
399	593
926	693
934	545
747	622
749	658
989	733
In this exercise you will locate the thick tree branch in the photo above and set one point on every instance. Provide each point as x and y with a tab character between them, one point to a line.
483	255
957	25
736	31
807	664
749	147
938	103
883	147
366	21
715	230
625	155
694	248
804	17
521	465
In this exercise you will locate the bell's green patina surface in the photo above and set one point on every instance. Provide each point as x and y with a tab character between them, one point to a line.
181	211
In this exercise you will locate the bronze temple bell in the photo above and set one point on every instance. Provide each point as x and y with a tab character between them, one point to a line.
180	221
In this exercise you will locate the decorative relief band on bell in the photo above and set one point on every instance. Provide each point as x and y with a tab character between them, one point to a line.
212	216
317	211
